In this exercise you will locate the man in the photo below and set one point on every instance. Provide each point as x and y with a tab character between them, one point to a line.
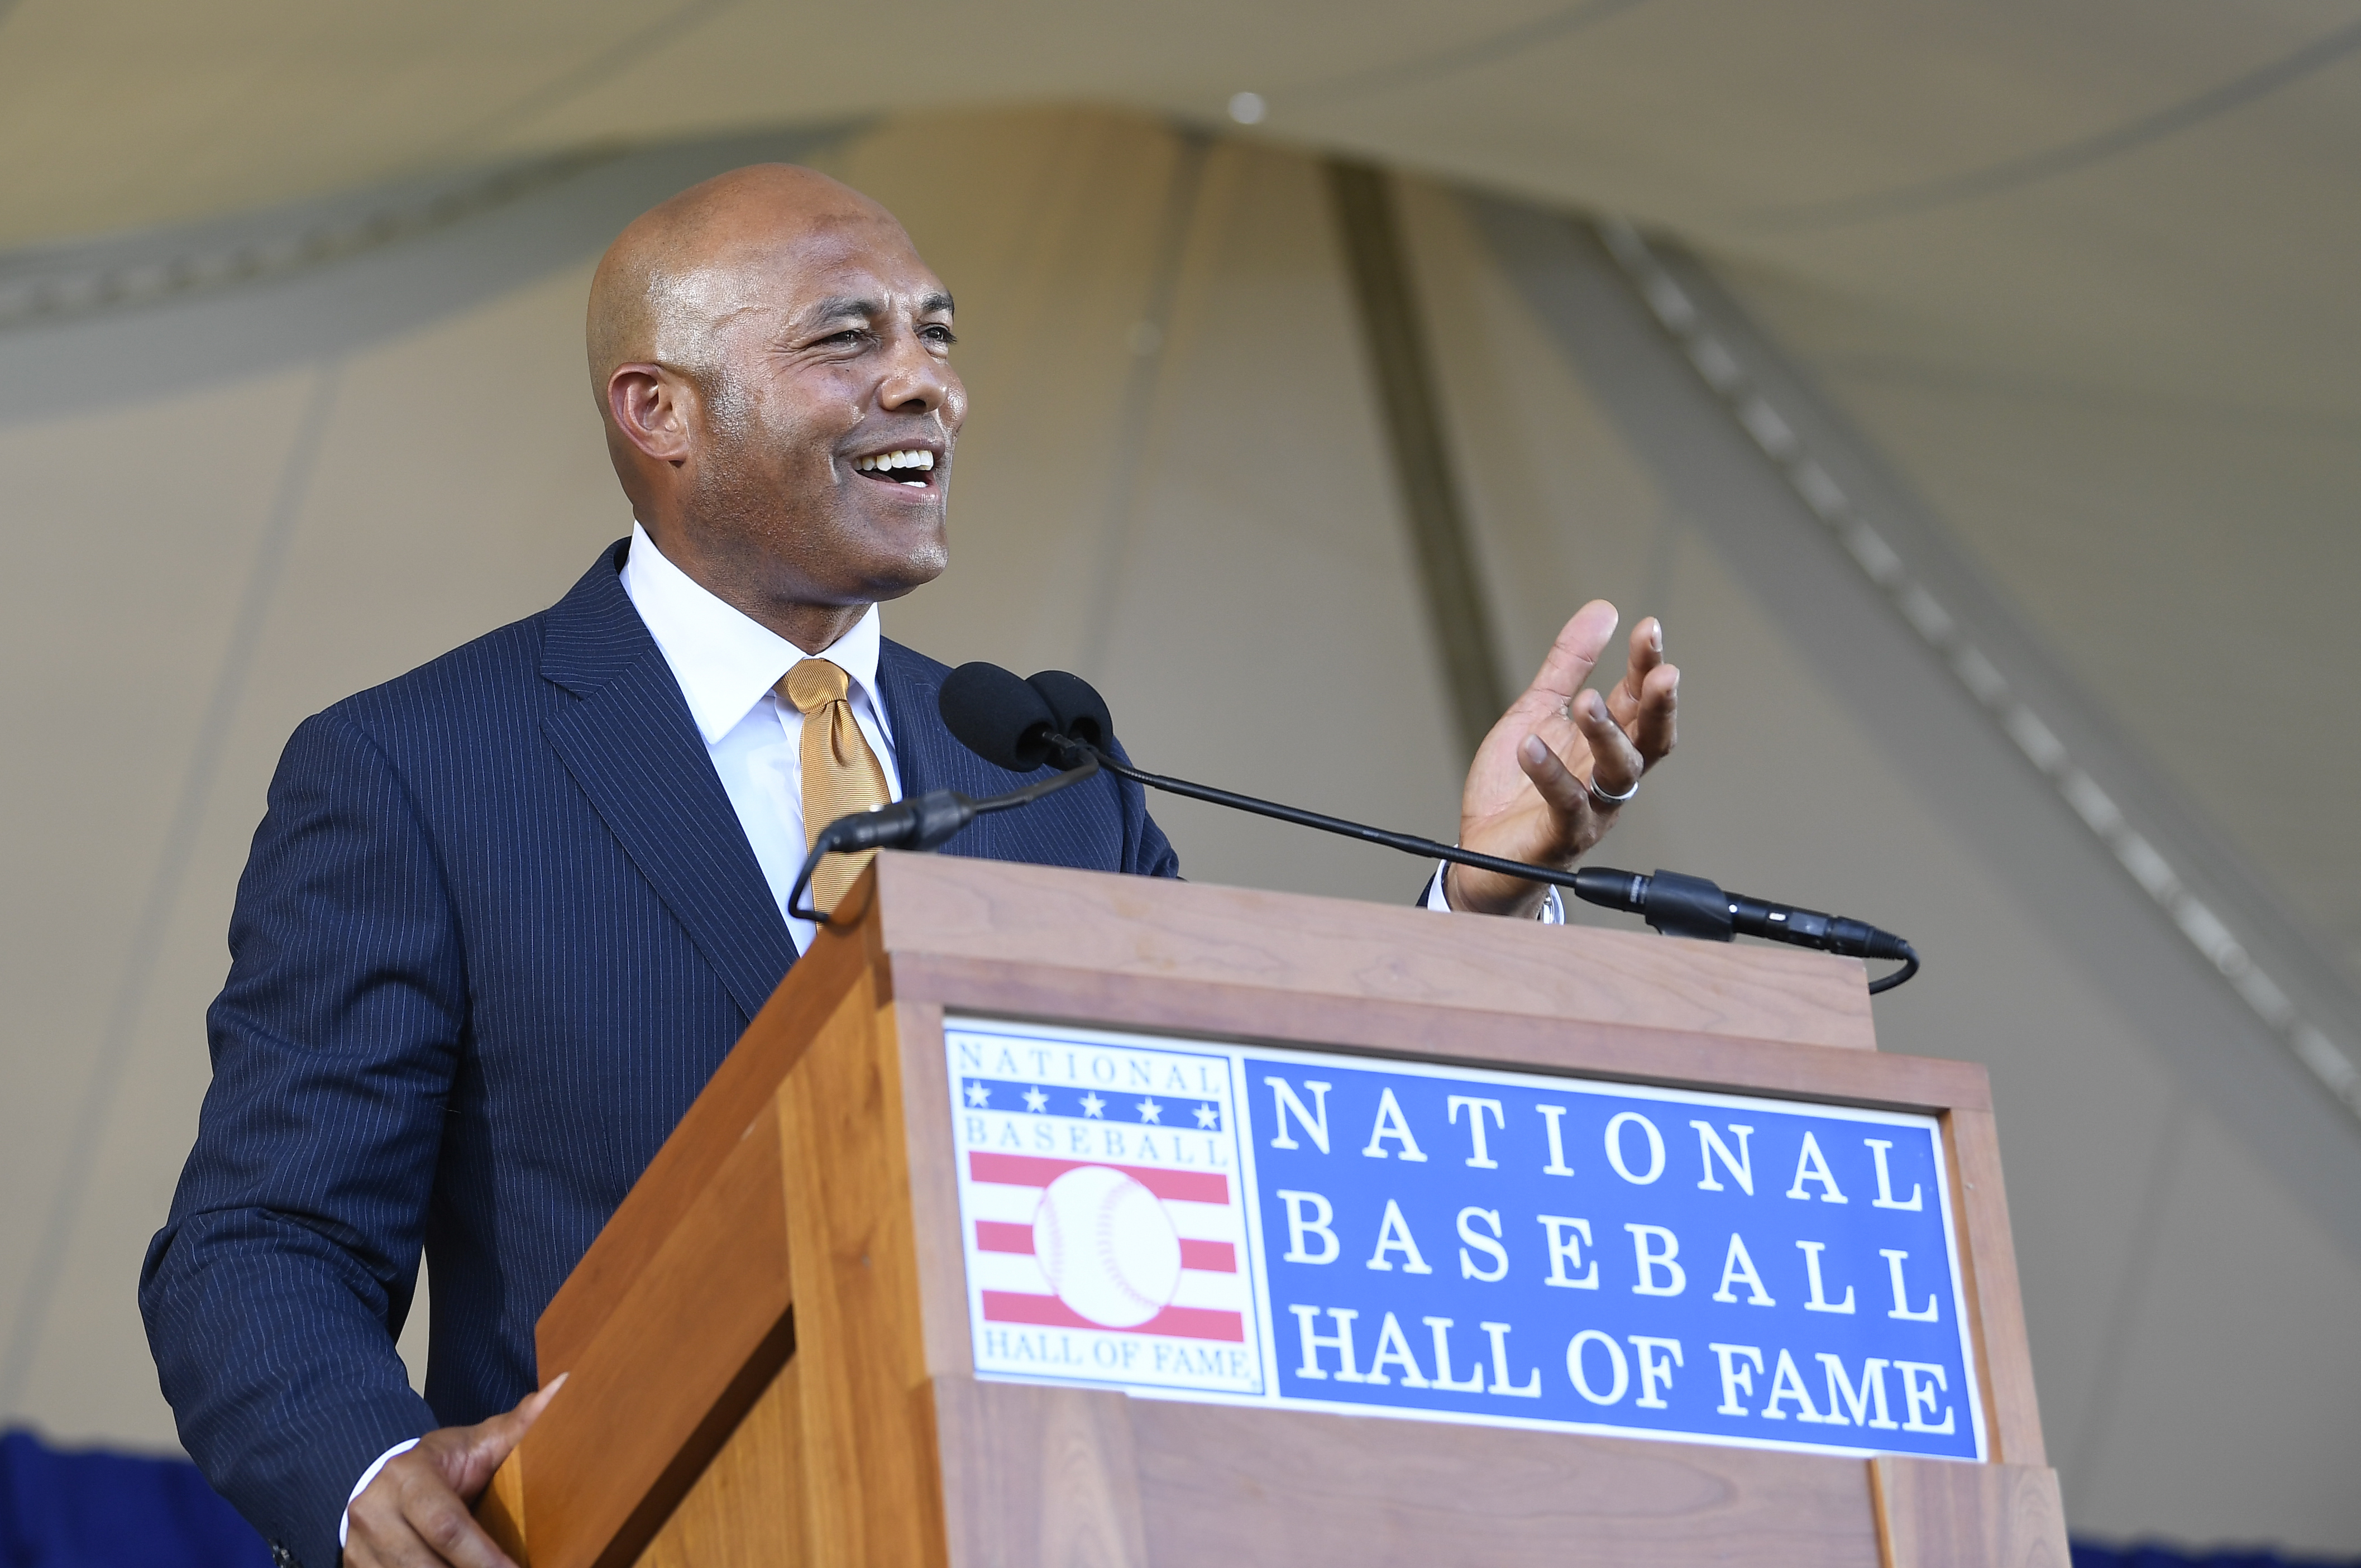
507	913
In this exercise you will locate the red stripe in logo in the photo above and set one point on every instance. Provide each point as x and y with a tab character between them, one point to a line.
999	1236
1206	1258
1047	1311
1032	1171
1212	1257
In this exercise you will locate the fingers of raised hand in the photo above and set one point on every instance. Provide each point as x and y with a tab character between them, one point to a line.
1646	655
1652	725
1616	763
1560	790
1647	652
1575	652
1559	733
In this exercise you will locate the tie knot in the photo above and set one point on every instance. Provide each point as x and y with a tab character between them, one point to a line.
813	683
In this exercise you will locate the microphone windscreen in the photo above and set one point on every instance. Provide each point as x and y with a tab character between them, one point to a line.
994	714
1076	706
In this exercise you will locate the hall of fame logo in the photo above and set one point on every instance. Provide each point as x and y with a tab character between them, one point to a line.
1101	1209
1434	1241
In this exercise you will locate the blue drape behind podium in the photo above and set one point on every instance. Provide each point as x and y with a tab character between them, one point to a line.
82	1510
93	1509
2089	1556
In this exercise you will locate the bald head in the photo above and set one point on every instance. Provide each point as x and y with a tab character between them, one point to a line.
683	268
772	360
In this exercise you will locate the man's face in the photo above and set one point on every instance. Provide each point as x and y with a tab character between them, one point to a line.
824	448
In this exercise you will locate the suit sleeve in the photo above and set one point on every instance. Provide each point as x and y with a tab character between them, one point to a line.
273	1294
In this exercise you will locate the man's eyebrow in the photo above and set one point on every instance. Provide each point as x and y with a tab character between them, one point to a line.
842	308
850	308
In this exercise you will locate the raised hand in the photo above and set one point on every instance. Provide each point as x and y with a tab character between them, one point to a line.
1549	777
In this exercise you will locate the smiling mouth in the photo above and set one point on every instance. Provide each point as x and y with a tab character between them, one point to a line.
914	468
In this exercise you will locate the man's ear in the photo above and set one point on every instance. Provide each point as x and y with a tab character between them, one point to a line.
653	408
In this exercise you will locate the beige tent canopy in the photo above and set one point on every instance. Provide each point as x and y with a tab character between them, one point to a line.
1970	388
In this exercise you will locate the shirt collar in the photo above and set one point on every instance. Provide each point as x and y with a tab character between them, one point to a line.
725	661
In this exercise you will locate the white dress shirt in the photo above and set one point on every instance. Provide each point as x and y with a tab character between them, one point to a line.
727	665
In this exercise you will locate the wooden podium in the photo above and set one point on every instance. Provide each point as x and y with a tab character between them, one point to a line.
770	1345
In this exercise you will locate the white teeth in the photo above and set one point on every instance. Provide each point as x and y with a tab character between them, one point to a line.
887	461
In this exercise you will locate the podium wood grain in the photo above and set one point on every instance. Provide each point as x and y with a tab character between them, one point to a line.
1934	1513
871	1488
750	1499
667	1399
1039	1476
1252	1487
2003	1354
808	1206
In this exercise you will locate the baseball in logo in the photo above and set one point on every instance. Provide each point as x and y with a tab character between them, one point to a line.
1099	1193
1106	1247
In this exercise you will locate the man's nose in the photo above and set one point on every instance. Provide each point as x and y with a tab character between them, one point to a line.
915	380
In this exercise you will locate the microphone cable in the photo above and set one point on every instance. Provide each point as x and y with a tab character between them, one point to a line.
922	822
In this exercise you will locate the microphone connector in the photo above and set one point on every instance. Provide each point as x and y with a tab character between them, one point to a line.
921	822
1679	905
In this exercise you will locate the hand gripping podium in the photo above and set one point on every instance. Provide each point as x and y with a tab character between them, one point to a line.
1053	1218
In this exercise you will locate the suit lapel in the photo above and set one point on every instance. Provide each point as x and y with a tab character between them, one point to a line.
918	733
630	746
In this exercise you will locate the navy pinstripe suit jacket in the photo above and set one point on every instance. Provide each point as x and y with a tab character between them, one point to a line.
498	926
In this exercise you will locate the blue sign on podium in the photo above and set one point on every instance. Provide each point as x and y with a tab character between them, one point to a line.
1205	1221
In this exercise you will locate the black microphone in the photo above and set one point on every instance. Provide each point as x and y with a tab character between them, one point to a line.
1680	905
1019	724
1080	711
1002	719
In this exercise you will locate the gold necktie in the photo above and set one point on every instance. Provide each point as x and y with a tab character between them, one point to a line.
841	772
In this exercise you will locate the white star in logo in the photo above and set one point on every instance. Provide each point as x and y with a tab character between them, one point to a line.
977	1095
1207	1116
1092	1104
1149	1111
1035	1102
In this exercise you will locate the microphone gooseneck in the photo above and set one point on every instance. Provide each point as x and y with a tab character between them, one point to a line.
1011	728
1057	718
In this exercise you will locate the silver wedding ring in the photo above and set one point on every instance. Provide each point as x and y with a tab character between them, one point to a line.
1606	802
